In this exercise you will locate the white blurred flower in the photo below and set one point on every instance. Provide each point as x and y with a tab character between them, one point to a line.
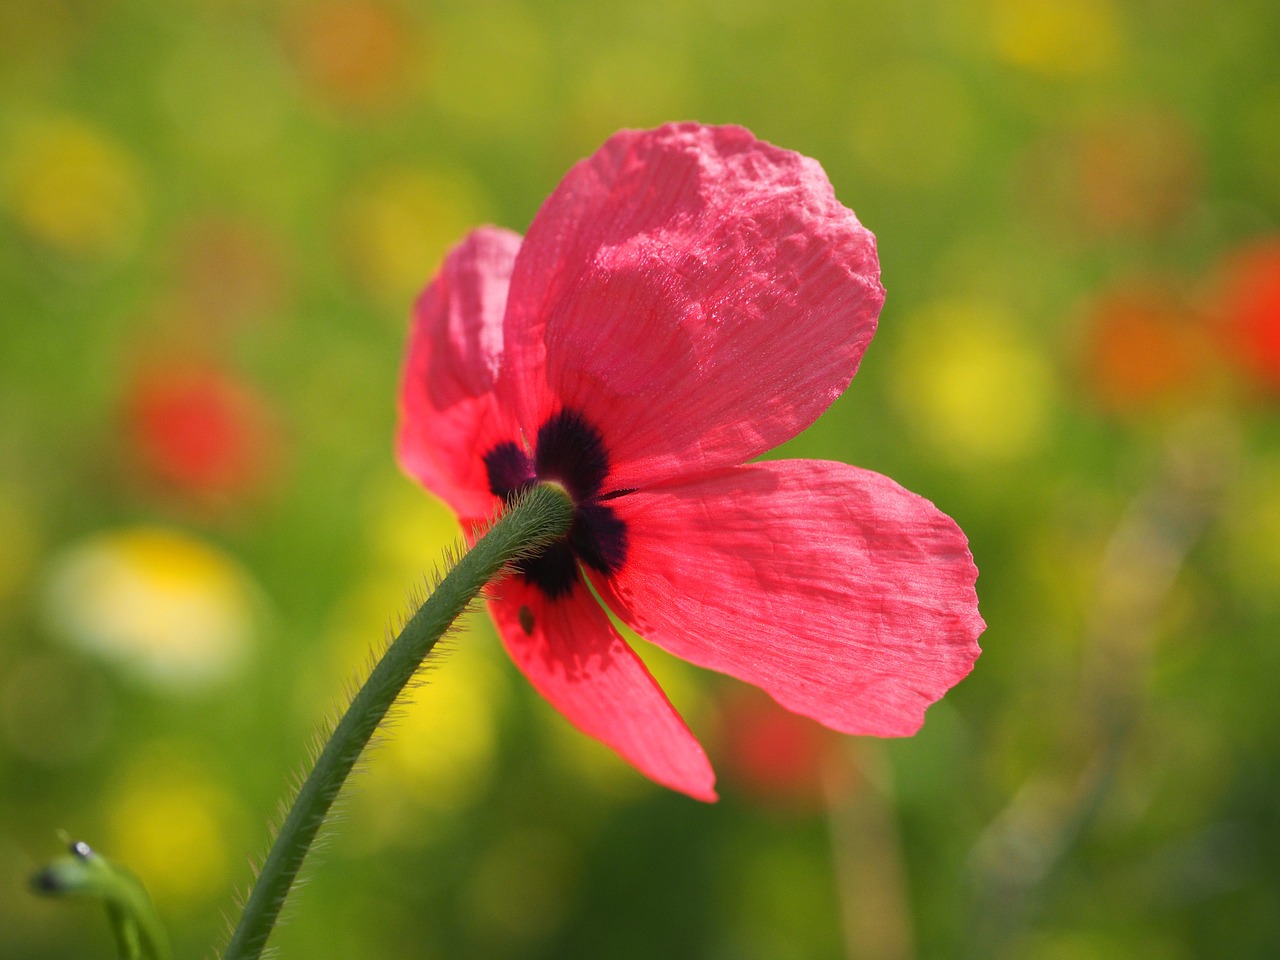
165	606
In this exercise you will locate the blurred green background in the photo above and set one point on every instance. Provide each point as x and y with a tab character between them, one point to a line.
214	215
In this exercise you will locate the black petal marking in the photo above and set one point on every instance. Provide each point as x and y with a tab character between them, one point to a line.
599	537
509	470
554	571
569	451
526	619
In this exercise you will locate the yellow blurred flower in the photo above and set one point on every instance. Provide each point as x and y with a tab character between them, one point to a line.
437	750
1057	37
443	736
410	533
172	609
973	385
398	225
170	823
73	188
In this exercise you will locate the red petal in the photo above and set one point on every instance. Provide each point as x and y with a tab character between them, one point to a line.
847	598
575	658
698	294
449	415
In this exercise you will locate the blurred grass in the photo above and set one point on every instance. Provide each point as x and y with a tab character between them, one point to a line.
213	217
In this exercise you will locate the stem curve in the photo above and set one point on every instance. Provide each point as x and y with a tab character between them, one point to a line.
530	523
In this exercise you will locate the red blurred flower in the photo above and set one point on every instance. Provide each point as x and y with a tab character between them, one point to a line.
779	758
687	298
1250	301
1144	349
200	430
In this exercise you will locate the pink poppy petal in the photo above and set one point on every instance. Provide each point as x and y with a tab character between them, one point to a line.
696	293
449	415
844	596
575	658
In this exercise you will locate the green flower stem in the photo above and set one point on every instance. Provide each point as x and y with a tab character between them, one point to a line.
529	524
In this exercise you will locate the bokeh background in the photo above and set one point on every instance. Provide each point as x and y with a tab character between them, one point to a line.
214	215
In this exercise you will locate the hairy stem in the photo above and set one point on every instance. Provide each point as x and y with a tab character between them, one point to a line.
528	525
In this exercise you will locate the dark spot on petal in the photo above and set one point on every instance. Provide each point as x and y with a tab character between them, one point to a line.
554	571
526	619
599	537
614	494
509	470
572	451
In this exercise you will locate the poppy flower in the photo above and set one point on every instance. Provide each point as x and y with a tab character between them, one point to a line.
688	298
1250	305
198	429
779	759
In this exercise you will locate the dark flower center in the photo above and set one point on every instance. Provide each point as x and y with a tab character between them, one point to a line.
570	451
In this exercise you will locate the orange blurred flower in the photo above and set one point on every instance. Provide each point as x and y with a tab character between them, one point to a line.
1124	172
1143	349
352	54
1138	170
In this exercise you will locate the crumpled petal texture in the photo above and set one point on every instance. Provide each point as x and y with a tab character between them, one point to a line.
692	296
701	292
844	596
